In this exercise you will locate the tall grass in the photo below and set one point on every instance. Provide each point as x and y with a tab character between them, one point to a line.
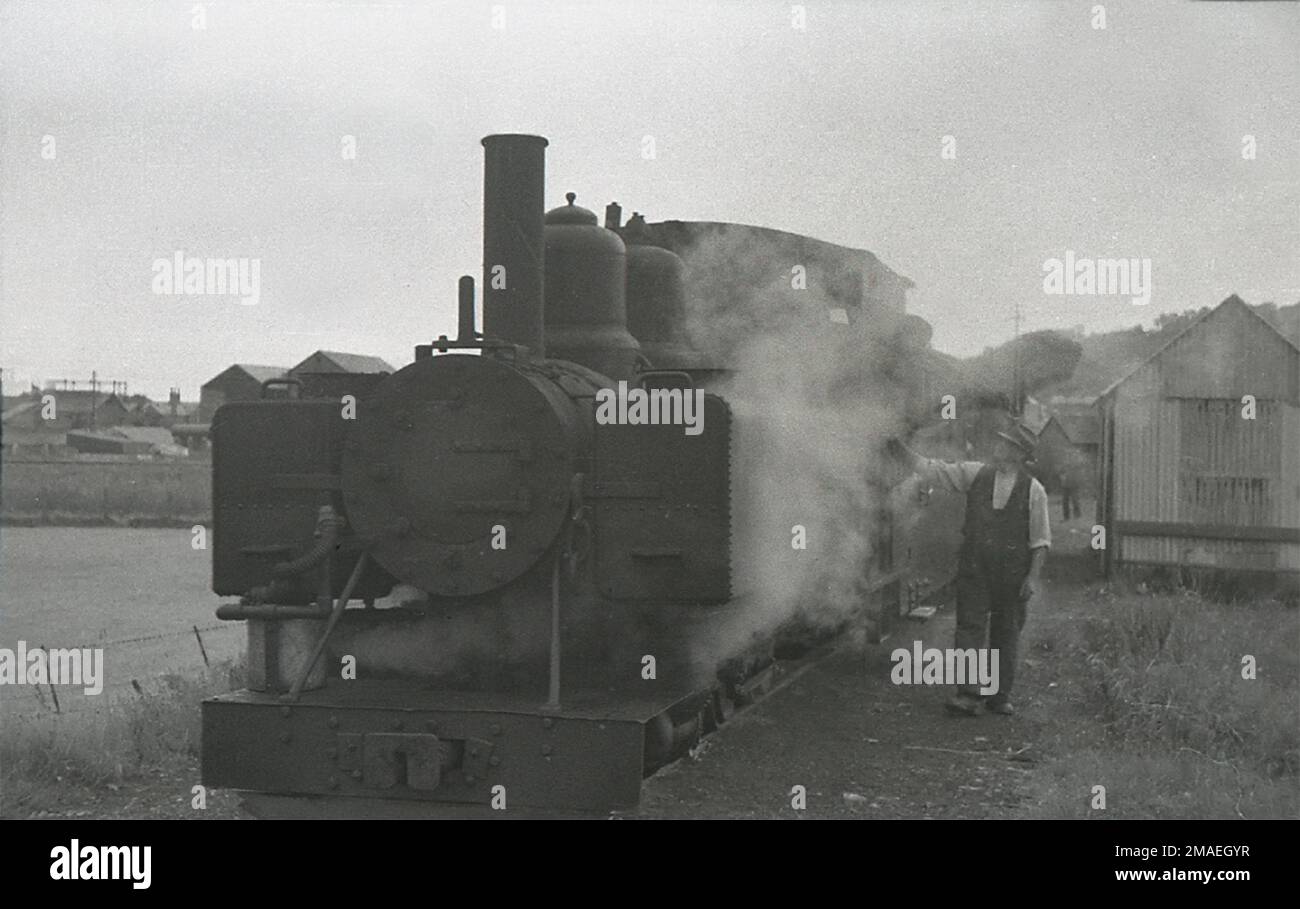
1156	710
125	739
1167	672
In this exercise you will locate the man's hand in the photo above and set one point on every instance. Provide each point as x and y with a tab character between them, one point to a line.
895	448
1029	588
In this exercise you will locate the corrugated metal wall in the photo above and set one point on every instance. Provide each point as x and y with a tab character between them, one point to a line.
1247	555
1184	454
1289	500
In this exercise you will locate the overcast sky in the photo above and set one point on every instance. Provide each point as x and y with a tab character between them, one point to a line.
225	141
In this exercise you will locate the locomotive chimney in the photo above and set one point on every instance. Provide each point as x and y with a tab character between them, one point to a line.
514	245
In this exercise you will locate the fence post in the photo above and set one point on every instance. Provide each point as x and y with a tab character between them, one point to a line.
202	649
49	678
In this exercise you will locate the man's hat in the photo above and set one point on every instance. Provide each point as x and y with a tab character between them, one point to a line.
1022	437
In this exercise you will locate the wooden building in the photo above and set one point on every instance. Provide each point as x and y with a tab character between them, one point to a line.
241	382
1200	455
1067	451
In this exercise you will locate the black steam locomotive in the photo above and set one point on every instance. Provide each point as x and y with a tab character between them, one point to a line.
503	574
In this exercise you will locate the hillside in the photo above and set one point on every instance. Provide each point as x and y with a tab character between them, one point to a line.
1052	367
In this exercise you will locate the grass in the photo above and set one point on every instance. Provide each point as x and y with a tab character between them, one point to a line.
43	758
1158	710
106	493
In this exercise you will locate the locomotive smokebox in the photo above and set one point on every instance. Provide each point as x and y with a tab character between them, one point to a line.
514	244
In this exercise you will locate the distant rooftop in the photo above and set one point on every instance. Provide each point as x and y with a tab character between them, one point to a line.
340	361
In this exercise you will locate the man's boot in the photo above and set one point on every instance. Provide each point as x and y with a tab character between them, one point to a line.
964	704
1000	705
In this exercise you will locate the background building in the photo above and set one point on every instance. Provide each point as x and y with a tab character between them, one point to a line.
331	361
240	382
1068	443
1187	478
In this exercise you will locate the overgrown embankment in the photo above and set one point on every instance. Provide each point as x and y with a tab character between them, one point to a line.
1181	705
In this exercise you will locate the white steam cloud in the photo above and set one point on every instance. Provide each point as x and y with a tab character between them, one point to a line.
813	401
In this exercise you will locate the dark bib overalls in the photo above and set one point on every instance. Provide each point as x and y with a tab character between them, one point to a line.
995	560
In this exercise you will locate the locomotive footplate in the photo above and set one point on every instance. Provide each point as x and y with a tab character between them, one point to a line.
389	740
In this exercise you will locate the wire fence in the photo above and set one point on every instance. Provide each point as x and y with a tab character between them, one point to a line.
138	662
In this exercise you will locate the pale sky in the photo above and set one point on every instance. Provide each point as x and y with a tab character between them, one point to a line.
225	142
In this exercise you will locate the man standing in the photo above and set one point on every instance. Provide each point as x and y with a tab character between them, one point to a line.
1005	541
1069	480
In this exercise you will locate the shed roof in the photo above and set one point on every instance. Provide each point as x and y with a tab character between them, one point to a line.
349	362
258	373
1233	301
1080	428
154	435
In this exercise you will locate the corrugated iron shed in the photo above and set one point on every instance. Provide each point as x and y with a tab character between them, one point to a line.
1201	450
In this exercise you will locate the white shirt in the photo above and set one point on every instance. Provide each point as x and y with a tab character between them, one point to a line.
959	475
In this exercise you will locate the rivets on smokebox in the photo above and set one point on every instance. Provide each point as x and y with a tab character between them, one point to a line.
285	711
546	750
548	723
334	722
284	738
431	725
398	725
496	729
494	761
356	774
334	782
332	753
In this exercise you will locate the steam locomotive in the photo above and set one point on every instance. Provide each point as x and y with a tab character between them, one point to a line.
470	581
